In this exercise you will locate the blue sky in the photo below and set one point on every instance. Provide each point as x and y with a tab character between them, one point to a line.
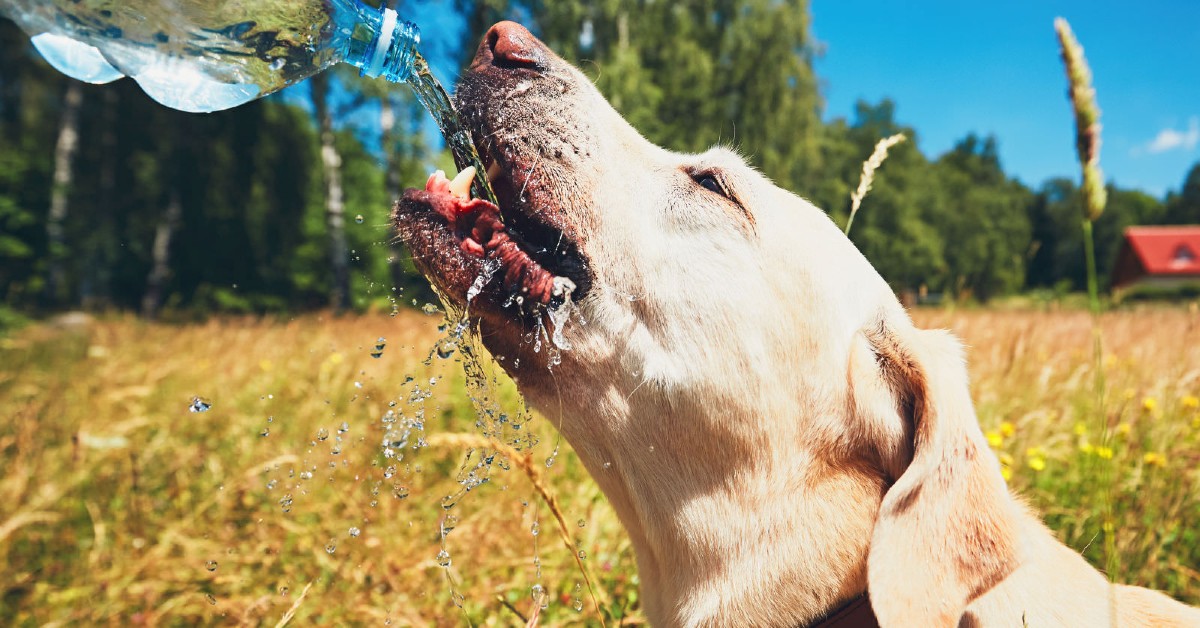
993	68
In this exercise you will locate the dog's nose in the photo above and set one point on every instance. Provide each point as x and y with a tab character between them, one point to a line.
510	45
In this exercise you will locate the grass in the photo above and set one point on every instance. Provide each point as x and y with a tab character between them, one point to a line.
119	506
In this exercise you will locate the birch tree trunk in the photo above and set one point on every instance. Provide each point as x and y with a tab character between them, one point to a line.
64	174
160	268
335	211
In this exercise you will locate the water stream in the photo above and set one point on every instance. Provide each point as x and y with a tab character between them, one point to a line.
433	97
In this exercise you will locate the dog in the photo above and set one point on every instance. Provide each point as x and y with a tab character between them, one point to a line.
776	436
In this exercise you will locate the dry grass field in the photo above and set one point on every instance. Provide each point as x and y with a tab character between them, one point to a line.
119	505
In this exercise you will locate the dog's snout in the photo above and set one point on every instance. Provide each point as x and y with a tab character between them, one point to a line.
510	45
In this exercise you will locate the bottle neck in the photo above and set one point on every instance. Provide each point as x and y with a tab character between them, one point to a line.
388	46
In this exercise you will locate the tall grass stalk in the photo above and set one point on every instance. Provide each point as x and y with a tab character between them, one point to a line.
1087	145
868	174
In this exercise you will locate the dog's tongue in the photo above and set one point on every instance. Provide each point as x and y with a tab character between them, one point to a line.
478	225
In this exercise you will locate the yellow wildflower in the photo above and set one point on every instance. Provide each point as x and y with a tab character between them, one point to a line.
1006	473
1037	463
1080	429
1149	404
1007	429
1086	447
1006	459
1155	459
1123	429
1104	452
1196	422
994	438
1034	452
1190	401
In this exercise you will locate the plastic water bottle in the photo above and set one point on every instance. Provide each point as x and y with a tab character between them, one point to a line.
208	55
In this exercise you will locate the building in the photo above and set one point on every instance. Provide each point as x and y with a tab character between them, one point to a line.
1161	257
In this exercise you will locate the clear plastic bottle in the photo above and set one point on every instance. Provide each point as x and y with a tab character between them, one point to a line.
208	55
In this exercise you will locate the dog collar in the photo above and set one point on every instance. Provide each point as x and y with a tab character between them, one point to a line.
856	613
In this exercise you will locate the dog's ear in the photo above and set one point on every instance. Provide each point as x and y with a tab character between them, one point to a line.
947	527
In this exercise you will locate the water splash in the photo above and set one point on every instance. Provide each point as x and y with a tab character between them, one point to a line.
198	404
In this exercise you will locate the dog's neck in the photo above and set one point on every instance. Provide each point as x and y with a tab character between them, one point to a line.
729	521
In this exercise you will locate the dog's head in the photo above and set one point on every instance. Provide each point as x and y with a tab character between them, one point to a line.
725	339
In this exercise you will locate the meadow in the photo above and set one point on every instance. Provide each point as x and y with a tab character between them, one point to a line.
281	501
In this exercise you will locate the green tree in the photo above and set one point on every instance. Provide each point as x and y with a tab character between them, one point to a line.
693	74
1183	208
985	224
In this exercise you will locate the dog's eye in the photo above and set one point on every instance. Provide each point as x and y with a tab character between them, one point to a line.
710	183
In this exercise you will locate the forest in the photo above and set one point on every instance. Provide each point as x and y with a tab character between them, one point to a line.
109	201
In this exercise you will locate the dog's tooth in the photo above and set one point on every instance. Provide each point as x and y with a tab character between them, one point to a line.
461	185
493	171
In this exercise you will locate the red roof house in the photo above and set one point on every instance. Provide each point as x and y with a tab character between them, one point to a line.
1162	256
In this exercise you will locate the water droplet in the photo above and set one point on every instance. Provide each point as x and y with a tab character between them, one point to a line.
265	432
331	546
607	465
272	484
358	384
399	492
535	528
379	346
445	347
277	63
390	471
577	604
343	428
199	405
283	591
443	558
582	555
354	532
211	598
449	523
322	434
582	523
430	308
286	503
359	219
537	592
210	565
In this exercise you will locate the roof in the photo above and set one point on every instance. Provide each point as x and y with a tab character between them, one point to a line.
1171	251
1166	250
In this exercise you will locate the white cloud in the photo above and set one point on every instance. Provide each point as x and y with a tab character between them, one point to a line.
1171	139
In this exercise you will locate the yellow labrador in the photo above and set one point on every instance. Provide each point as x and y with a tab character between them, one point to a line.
774	433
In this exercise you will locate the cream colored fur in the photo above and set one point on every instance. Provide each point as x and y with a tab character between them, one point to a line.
772	430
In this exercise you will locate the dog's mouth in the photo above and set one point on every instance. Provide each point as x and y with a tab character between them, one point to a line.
524	253
518	258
